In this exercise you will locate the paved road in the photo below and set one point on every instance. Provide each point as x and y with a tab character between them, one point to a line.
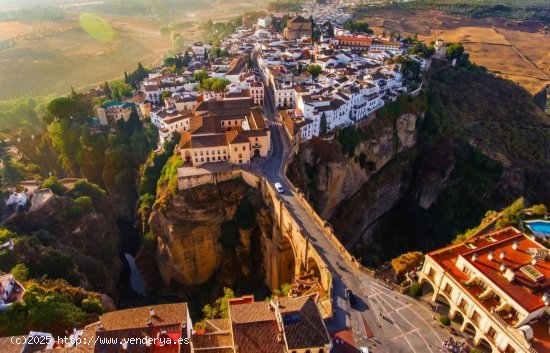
384	320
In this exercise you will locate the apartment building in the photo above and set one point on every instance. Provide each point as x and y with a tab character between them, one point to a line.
497	287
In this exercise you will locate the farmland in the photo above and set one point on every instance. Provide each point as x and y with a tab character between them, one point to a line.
519	51
50	57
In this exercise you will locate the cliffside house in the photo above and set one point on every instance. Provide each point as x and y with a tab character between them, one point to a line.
226	130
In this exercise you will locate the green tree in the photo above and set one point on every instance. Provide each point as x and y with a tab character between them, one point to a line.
220	308
539	210
323	125
200	76
92	305
11	174
349	139
85	203
84	188
169	62
314	70
20	272
54	185
454	51
66	108
511	215
106	89
411	69
164	95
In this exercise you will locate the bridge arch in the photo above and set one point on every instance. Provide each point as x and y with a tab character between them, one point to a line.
288	263
313	268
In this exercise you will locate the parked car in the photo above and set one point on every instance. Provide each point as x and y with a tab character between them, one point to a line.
351	298
279	188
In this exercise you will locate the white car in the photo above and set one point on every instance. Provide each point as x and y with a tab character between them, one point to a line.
279	188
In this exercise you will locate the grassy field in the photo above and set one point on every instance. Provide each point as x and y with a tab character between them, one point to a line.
51	59
519	51
87	49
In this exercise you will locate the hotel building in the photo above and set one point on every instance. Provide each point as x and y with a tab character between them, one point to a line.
497	287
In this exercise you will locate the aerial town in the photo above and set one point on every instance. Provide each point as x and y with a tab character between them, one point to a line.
242	116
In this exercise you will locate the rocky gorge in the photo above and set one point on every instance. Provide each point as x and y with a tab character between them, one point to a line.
206	238
420	173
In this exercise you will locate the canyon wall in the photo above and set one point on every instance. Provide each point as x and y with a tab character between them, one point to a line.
370	182
206	231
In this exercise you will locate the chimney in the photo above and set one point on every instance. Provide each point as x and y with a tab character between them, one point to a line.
515	245
502	267
491	255
502	254
152	312
148	322
534	261
474	256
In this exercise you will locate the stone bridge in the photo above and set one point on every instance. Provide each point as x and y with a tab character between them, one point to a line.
290	253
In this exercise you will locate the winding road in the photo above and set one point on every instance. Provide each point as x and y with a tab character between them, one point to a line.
383	320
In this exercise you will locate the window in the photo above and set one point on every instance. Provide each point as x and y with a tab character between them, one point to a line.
448	289
476	317
463	305
235	148
491	333
244	148
509	349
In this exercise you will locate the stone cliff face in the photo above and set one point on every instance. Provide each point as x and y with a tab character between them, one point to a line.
339	180
198	235
92	240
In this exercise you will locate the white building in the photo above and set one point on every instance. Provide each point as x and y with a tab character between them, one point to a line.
264	22
497	288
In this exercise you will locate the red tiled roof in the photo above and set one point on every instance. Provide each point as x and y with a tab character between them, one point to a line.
525	291
365	40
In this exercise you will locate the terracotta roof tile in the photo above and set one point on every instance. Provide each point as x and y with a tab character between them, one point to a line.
166	314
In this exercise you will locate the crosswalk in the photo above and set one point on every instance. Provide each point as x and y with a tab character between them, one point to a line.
408	320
